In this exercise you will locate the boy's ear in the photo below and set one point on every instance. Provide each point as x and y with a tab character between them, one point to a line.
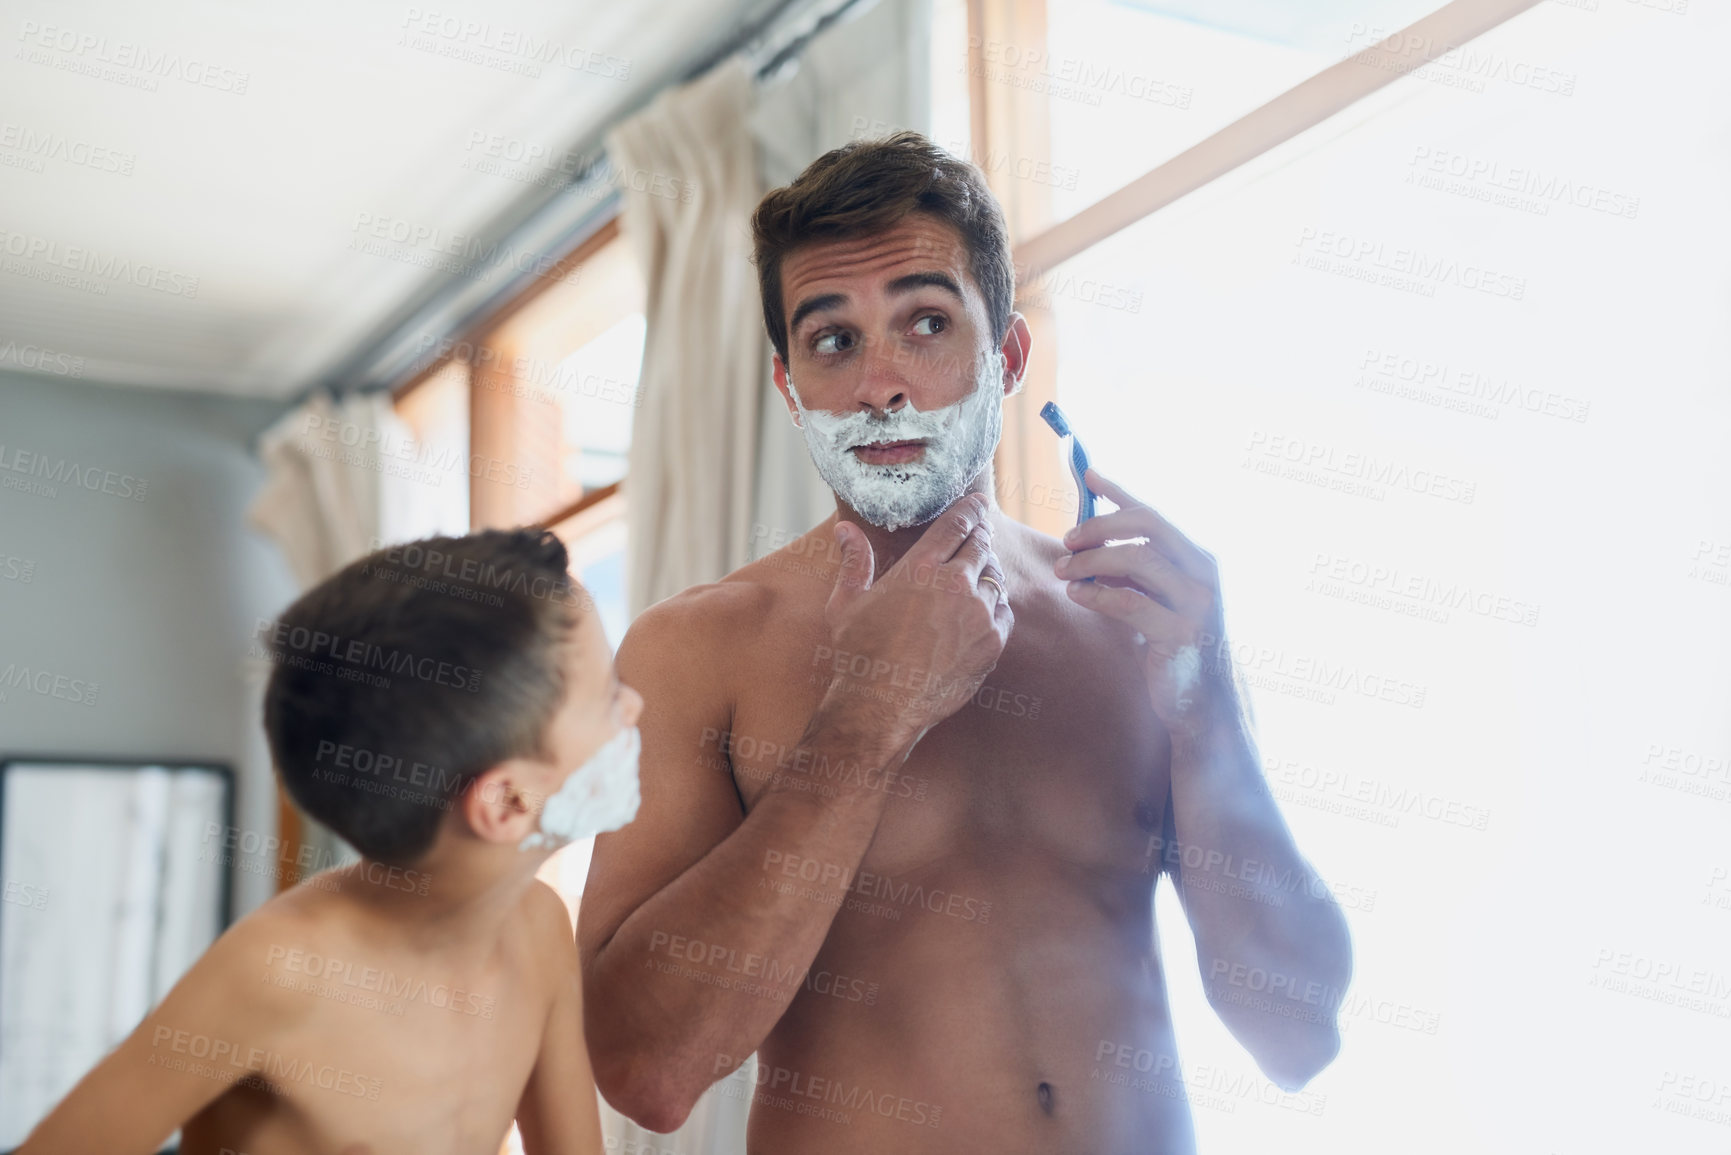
502	804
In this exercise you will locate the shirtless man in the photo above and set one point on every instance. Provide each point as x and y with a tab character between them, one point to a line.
908	783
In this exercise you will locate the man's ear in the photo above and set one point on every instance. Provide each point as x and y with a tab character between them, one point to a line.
1017	342
502	804
784	384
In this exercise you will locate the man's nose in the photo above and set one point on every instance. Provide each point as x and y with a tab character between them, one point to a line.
883	382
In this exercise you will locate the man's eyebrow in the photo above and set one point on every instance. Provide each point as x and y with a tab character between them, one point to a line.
814	304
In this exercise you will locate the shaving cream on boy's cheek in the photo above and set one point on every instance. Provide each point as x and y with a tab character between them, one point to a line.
959	439
599	796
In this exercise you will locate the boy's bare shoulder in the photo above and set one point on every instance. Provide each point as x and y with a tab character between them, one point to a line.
297	919
545	913
231	983
545	953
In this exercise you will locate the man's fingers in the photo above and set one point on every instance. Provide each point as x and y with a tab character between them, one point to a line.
952	528
1109	489
1137	520
1128	524
1146	568
974	556
854	575
1135	609
992	574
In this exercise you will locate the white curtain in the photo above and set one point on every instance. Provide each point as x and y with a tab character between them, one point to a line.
343	474
690	174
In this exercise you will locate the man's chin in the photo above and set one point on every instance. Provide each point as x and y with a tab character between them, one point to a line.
893	518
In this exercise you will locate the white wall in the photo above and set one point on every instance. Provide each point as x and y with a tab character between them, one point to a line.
150	598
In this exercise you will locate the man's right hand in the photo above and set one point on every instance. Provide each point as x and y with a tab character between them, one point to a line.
911	647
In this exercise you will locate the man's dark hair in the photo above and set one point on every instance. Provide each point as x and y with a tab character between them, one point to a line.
407	673
869	186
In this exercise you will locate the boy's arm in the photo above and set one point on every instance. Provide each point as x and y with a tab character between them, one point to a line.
559	1113
217	1024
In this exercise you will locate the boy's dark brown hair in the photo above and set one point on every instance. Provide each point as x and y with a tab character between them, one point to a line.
869	186
407	673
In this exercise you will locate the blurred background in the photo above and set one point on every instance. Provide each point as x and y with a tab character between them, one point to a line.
1431	355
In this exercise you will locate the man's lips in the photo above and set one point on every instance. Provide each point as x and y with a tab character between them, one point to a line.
890	452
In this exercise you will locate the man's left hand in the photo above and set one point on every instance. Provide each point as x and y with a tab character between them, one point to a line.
1166	588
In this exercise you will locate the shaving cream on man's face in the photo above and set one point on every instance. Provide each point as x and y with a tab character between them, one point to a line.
959	439
599	796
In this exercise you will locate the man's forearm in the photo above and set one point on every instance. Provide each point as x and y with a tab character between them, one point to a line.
697	976
1271	941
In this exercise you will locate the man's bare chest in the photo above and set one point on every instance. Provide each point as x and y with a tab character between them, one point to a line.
1056	753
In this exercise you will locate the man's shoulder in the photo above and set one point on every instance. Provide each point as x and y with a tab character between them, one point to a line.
803	568
694	621
1029	557
1044	610
740	605
1038	547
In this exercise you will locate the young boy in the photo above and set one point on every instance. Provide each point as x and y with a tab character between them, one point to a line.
450	709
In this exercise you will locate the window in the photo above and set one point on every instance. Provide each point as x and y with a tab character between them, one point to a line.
595	536
558	388
437	413
598	395
1403	374
1134	83
542	406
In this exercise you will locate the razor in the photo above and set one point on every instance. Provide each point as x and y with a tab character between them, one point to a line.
1054	417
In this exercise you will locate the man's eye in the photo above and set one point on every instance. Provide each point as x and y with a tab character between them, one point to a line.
938	323
841	341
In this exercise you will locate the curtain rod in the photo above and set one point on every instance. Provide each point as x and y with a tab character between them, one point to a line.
827	19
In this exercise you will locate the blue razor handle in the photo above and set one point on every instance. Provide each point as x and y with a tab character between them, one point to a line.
1054	417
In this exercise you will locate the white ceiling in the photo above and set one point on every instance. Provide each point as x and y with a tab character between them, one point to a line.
351	112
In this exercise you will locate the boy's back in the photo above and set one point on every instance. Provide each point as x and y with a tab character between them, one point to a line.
341	1018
